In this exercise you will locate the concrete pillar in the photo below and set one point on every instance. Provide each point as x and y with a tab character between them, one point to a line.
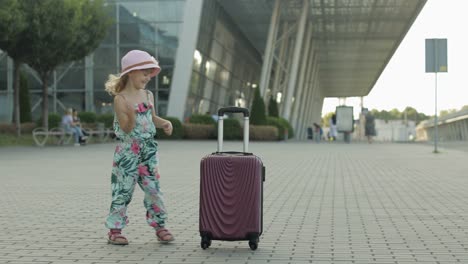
302	76
184	59
270	49
296	59
89	84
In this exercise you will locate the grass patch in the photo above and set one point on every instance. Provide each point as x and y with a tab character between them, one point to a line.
11	140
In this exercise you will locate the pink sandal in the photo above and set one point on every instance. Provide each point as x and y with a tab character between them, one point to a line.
116	238
164	236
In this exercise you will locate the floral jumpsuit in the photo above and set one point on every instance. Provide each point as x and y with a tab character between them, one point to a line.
136	161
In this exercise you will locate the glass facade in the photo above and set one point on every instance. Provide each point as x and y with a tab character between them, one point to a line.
225	68
150	25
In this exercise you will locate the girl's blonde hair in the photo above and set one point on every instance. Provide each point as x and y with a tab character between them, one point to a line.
115	84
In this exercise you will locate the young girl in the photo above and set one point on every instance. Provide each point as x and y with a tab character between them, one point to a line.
136	155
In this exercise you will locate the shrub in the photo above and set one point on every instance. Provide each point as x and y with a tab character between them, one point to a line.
199	131
273	108
55	120
274	121
87	117
286	124
7	128
257	114
263	133
107	119
202	119
177	129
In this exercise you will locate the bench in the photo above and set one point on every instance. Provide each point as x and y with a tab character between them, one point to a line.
60	136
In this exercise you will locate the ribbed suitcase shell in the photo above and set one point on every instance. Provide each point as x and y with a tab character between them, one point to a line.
231	196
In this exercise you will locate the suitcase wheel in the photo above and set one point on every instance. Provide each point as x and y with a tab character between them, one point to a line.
205	242
253	243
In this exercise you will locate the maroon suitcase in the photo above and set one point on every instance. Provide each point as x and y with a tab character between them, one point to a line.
231	191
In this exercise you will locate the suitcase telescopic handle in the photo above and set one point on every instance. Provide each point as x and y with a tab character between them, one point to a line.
233	109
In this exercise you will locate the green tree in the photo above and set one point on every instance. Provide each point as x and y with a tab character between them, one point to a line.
395	114
12	25
258	115
61	31
25	103
447	112
273	108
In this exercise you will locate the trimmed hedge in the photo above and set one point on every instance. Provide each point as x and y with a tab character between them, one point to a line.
232	129
6	128
259	133
199	131
87	117
107	119
177	129
202	119
55	120
282	125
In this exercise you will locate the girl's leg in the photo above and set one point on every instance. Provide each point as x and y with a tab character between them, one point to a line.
124	177
149	182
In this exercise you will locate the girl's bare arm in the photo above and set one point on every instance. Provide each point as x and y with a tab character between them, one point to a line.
159	122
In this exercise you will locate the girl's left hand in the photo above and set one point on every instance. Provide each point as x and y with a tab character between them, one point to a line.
167	127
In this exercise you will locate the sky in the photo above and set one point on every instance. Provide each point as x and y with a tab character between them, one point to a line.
404	81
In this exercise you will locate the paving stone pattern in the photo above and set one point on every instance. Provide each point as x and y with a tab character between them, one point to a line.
323	203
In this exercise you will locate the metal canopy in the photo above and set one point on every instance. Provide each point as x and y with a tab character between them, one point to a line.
355	39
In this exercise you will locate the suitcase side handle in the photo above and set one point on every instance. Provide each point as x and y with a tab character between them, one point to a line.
233	109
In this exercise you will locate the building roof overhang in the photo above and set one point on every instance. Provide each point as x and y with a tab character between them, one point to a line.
355	39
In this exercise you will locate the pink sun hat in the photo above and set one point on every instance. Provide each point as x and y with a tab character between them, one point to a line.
139	60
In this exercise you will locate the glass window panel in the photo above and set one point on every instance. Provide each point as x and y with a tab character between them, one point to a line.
140	10
106	57
167	32
163	95
197	60
195	83
3	80
72	78
224	77
130	33
210	69
103	103
208	90
70	100
227	61
165	77
170	10
216	51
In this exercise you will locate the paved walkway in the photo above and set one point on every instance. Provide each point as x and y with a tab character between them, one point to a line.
324	203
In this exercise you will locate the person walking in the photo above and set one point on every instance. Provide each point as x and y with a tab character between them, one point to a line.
136	155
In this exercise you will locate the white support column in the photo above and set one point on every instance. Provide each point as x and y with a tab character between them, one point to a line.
269	49
184	59
308	107
89	84
54	91
302	121
296	59
311	99
10	97
301	85
278	69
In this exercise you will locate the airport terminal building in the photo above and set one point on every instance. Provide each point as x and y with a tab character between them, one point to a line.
215	53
